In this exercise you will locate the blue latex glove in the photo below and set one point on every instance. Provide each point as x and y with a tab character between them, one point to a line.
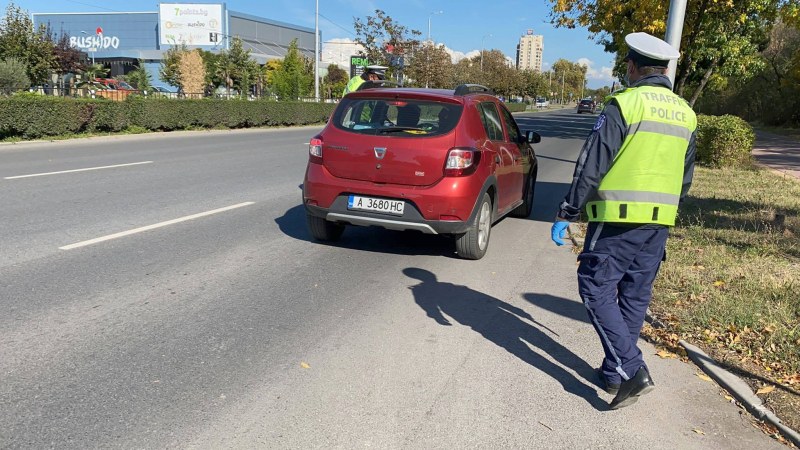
558	231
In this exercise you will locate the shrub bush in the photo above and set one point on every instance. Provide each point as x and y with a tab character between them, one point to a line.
36	116
516	107
724	141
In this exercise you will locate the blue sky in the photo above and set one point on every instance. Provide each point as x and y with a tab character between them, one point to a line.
463	26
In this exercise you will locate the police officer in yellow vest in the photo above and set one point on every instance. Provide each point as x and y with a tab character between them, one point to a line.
370	73
633	170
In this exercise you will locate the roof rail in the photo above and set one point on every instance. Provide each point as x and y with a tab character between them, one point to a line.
466	89
377	84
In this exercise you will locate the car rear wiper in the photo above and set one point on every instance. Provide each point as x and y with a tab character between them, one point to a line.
399	129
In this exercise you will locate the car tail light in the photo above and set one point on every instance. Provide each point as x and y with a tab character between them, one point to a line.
461	161
315	151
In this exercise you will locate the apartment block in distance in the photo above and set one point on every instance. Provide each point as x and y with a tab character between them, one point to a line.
529	52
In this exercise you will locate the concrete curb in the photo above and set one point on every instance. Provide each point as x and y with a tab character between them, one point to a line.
573	232
733	384
740	390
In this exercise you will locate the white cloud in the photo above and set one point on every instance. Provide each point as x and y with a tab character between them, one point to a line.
604	74
338	51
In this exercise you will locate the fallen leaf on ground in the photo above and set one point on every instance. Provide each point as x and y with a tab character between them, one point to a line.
698	431
765	390
719	283
729	398
703	376
666	354
305	365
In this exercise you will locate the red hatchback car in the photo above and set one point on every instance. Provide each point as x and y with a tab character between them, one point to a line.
437	161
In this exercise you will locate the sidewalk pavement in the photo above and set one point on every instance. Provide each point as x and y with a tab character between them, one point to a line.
779	153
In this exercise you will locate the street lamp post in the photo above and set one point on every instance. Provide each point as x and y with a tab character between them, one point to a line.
482	39
428	50
429	22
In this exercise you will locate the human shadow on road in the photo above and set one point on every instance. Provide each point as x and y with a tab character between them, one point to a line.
570	309
507	327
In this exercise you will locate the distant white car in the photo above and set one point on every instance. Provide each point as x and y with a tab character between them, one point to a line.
542	103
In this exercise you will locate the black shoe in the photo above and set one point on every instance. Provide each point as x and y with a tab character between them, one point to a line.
631	390
610	388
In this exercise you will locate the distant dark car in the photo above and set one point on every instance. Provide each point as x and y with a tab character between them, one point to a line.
586	106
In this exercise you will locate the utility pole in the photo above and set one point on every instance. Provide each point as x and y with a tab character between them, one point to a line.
677	14
316	53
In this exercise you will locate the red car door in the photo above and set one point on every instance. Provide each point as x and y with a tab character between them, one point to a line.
501	152
520	158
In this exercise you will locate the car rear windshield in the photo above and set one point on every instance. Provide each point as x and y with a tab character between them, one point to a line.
586	102
401	117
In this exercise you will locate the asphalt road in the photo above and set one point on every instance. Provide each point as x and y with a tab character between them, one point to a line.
176	299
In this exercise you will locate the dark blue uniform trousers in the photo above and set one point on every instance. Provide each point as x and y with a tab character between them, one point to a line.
617	269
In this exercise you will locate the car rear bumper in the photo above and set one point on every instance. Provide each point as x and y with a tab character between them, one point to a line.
446	207
409	220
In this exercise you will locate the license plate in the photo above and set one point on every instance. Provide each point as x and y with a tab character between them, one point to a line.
380	205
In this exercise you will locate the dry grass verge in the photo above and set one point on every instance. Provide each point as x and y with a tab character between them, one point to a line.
731	282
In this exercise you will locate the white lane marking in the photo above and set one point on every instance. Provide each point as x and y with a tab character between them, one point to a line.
152	227
77	170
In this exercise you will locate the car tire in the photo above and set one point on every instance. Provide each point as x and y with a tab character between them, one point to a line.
323	230
473	243
524	210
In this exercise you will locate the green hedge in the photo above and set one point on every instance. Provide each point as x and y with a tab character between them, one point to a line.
516	107
724	141
31	117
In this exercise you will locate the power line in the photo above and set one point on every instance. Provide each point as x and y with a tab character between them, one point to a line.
341	27
93	6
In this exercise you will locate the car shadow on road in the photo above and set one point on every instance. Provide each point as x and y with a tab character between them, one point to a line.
508	327
370	239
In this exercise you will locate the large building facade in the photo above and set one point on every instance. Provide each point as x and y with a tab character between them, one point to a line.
120	40
529	52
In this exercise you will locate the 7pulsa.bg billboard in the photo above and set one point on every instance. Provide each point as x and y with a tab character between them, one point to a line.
190	24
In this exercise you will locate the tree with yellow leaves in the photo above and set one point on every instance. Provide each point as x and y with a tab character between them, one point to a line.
721	38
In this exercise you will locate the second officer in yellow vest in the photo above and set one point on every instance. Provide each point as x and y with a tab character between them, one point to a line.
631	174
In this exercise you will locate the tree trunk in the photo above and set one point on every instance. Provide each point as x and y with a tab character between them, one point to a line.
703	82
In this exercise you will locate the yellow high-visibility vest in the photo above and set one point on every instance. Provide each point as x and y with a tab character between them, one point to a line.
644	183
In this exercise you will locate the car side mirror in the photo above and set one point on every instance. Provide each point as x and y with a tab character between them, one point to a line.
533	137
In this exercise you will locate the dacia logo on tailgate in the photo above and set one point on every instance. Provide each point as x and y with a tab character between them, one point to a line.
380	152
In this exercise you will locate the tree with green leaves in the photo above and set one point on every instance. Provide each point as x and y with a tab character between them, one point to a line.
431	66
383	38
13	76
236	68
19	39
211	61
170	72
140	78
534	84
334	82
568	80
290	81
